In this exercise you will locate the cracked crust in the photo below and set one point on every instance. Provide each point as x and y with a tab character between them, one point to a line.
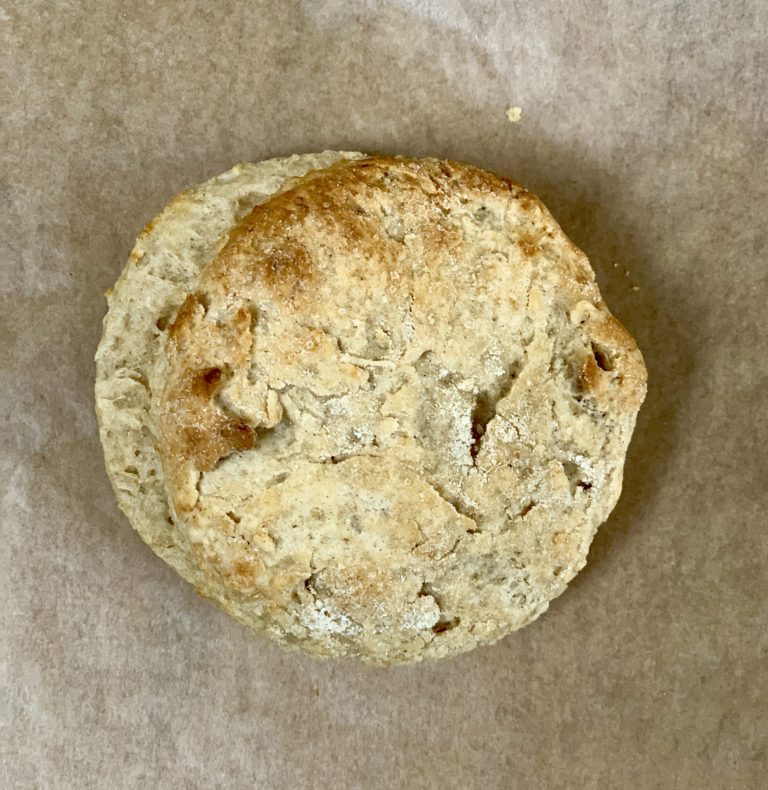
389	405
167	257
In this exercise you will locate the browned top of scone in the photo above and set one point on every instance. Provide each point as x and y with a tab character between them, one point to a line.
343	216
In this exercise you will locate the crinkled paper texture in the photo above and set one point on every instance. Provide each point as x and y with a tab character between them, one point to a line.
644	129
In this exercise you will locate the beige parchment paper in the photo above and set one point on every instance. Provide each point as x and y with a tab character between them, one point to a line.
644	128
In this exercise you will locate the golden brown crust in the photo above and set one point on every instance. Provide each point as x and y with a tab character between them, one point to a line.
195	430
269	246
266	245
391	411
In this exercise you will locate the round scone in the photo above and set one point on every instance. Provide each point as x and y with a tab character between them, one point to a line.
371	406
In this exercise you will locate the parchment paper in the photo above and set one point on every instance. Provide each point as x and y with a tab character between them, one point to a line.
644	129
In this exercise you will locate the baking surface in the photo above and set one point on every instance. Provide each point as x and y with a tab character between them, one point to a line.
644	130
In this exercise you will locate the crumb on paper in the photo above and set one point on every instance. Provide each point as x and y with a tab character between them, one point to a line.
514	114
635	287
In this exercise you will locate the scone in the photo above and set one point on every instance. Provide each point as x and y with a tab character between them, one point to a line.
371	406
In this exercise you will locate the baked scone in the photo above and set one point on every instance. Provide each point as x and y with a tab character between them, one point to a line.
371	406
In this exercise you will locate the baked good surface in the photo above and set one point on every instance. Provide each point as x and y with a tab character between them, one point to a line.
371	406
